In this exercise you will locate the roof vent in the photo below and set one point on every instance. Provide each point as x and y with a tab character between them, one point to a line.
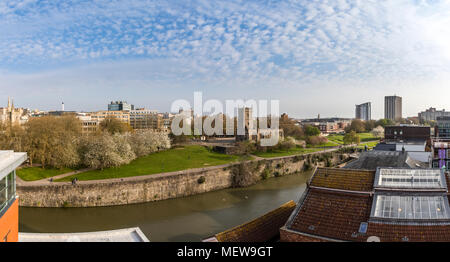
405	239
311	227
355	235
373	239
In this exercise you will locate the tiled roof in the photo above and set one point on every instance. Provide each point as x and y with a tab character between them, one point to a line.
373	159
337	215
261	229
332	214
345	179
412	233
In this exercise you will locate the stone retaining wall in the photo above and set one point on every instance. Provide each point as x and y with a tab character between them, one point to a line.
159	186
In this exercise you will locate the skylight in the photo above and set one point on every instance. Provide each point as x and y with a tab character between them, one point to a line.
410	178
418	207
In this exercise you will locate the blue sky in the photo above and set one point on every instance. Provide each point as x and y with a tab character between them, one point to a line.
314	56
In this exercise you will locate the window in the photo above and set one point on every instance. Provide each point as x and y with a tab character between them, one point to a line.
409	178
7	190
411	207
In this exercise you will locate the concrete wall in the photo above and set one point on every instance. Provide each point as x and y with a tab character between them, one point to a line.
152	187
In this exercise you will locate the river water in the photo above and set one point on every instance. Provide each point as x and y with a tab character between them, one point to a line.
183	219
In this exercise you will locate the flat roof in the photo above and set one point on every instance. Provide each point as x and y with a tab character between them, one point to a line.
9	161
401	178
120	235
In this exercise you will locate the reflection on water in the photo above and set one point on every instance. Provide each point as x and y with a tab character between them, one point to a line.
184	219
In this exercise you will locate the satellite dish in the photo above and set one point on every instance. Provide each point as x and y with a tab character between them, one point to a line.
373	239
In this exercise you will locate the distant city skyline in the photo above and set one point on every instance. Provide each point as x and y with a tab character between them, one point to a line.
319	57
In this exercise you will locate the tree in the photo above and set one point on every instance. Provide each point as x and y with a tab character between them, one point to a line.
146	142
316	140
103	151
351	138
311	130
370	124
357	125
378	131
113	125
287	144
52	140
385	122
290	128
245	148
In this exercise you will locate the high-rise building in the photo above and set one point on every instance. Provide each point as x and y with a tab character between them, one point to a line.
9	203
393	107
364	111
120	106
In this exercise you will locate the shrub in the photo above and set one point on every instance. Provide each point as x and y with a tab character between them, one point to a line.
243	175
201	180
265	174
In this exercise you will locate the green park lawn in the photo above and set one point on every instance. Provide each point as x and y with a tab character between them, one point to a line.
174	159
365	137
338	139
327	144
370	145
290	152
37	173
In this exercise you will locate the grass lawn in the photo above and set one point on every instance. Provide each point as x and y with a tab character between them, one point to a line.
37	173
290	152
175	159
370	145
339	139
367	137
327	144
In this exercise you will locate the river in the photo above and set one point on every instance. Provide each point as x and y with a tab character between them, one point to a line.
183	219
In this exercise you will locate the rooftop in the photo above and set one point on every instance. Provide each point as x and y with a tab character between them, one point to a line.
9	161
373	159
120	235
411	206
261	229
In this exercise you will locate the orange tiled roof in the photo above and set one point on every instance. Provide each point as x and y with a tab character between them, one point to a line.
332	214
345	179
337	215
262	229
413	233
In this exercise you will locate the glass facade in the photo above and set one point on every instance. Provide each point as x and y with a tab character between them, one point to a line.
7	190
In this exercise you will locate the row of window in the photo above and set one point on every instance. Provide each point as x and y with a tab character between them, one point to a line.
7	190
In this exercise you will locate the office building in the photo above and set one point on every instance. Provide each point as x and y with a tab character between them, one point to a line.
9	202
393	108
146	119
432	114
120	106
364	111
441	144
99	116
